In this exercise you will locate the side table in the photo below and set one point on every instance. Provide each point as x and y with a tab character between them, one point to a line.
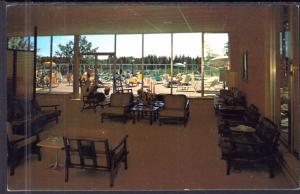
53	142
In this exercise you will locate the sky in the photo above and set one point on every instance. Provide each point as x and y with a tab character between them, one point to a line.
188	44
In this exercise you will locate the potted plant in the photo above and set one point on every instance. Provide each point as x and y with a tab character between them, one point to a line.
106	90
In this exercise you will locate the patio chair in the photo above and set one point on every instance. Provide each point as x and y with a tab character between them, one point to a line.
95	154
259	146
93	99
120	88
119	107
184	84
175	110
213	85
19	145
51	112
196	85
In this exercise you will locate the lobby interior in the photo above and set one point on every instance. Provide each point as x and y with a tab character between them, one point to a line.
170	157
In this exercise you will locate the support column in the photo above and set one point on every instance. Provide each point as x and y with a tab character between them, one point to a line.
34	62
96	70
51	63
115	64
171	63
76	64
202	67
142	62
3	73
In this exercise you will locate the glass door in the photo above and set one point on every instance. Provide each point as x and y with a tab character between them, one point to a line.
285	85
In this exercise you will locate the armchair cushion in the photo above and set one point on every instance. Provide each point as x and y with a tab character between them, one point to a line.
120	99
175	101
114	110
172	113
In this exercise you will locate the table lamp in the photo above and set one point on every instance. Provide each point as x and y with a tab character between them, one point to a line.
232	76
223	76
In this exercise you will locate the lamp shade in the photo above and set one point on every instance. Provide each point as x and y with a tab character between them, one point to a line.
232	76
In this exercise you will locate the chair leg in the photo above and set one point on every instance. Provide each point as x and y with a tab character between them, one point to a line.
66	174
102	118
228	167
13	162
111	178
38	151
125	162
12	168
271	168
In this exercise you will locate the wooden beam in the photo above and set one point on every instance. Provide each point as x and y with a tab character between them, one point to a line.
34	63
76	64
104	53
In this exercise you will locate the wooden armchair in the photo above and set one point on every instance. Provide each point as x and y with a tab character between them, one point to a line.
51	112
92	99
175	110
20	145
258	146
88	153
119	107
24	118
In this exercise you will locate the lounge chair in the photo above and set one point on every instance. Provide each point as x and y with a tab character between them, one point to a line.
213	86
176	109
184	84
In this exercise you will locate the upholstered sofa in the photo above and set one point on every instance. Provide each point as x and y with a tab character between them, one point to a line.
249	117
175	110
119	107
29	117
259	146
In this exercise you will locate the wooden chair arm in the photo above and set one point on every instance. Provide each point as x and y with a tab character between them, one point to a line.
19	138
187	105
123	142
49	106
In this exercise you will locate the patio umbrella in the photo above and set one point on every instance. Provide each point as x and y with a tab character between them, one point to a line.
179	65
49	62
219	62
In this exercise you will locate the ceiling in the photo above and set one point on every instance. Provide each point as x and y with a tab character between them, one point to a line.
63	18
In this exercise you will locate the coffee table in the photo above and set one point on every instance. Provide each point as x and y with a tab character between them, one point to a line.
53	142
141	111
